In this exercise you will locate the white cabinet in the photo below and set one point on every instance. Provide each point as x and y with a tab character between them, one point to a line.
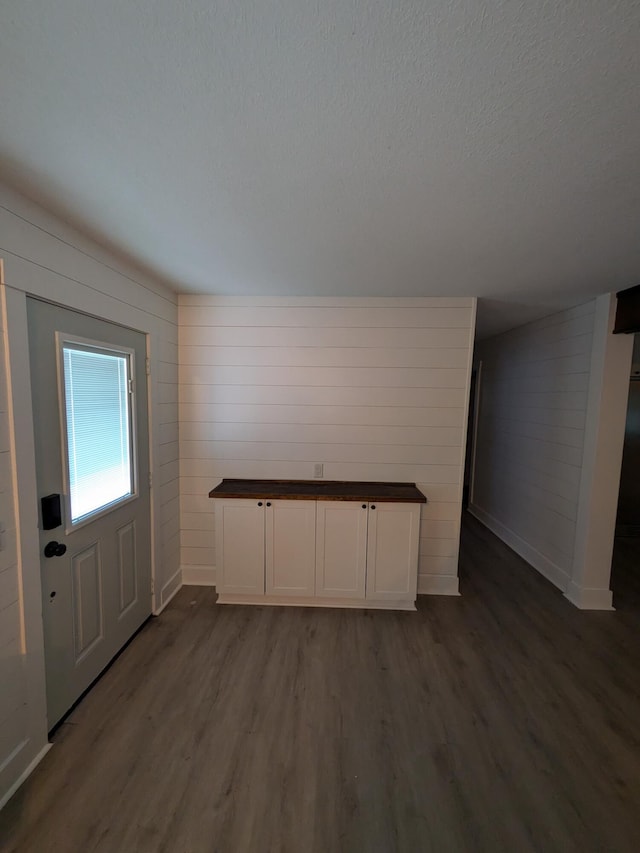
341	549
368	551
290	537
393	536
240	547
265	547
332	553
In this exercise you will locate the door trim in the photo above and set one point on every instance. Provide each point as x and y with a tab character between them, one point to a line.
26	515
474	435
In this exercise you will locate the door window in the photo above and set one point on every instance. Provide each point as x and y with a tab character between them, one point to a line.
97	415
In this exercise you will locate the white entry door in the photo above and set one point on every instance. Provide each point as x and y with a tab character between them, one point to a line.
89	390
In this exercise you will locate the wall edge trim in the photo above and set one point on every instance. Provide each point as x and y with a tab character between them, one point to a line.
24	775
438	585
198	575
169	592
587	598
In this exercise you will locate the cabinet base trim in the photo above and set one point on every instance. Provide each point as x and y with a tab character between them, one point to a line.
294	601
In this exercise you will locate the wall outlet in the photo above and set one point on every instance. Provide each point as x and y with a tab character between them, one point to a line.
318	470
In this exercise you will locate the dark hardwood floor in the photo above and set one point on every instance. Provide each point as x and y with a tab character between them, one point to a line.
504	720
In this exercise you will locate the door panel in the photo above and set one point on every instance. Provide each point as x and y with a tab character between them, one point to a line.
87	598
341	549
98	592
240	543
392	551
290	539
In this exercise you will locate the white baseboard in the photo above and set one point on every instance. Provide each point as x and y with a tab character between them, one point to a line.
438	585
23	776
168	591
589	599
427	584
546	567
198	575
315	601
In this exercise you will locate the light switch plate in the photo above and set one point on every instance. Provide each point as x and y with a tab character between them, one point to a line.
318	470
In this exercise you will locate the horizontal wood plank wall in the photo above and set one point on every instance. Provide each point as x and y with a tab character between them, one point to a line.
530	436
374	389
44	257
13	694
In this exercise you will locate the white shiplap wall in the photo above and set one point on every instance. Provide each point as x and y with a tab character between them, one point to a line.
373	389
45	258
530	436
13	723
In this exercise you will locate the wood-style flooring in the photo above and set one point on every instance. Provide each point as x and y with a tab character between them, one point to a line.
504	720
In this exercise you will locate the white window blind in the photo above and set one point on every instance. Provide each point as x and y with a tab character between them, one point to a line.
98	429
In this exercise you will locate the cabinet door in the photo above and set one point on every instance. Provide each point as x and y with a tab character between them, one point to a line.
392	551
240	546
290	536
341	546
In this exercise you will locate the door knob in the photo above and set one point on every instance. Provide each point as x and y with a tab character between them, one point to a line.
54	549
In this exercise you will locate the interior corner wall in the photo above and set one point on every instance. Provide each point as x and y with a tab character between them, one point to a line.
374	389
45	258
602	461
531	436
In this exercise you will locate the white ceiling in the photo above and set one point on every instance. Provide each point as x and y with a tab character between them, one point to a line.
338	147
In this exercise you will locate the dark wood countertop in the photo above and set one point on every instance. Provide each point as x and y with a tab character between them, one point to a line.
319	490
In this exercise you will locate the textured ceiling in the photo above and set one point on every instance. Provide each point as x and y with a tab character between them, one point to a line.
342	147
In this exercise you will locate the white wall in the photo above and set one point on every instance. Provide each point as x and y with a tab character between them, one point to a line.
375	389
45	258
550	427
530	436
602	460
13	682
